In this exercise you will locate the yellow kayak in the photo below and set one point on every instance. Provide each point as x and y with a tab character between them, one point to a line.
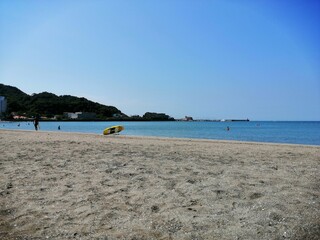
113	129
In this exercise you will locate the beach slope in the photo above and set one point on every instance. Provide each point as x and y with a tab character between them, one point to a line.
84	186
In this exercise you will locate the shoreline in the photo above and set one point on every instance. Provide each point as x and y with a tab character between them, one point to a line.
164	138
61	185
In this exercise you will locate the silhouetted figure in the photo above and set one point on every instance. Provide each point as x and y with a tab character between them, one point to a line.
228	129
59	127
36	123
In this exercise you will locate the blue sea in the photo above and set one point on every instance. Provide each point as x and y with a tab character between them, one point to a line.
256	131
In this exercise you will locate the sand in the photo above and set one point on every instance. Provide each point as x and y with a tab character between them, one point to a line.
58	185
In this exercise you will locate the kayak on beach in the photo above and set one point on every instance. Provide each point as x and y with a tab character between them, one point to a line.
113	129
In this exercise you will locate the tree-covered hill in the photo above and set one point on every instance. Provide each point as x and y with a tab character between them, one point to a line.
49	104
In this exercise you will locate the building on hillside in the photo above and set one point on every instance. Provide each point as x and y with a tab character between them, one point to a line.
3	104
80	115
70	115
118	115
18	117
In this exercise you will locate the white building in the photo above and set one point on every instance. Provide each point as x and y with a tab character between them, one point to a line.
80	115
3	104
70	115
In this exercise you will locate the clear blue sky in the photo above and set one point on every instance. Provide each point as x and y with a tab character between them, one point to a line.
256	59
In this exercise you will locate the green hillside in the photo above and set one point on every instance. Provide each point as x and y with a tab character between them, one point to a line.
49	104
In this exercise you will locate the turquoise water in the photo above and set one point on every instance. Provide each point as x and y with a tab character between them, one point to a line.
275	132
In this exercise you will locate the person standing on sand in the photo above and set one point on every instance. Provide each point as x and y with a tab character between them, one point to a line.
36	123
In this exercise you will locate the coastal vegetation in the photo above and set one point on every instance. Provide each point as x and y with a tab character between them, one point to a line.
51	106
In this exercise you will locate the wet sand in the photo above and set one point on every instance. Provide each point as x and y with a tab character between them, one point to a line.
58	185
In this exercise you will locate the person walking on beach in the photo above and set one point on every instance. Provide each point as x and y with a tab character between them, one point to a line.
36	122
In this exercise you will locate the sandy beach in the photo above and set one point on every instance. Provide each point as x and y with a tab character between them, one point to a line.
58	185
